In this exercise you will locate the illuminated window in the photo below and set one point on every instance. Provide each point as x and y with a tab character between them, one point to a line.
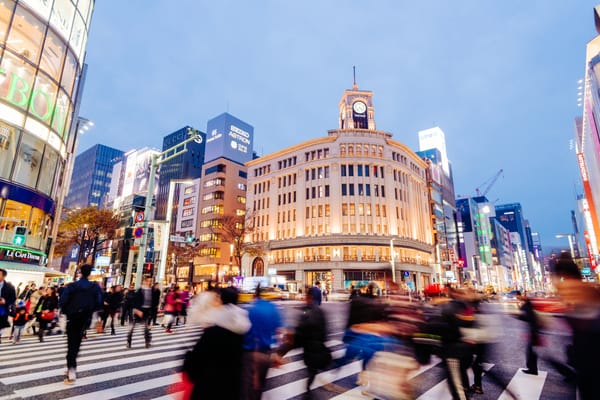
189	201
187	212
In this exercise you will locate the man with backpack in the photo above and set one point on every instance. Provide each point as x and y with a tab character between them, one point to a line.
79	301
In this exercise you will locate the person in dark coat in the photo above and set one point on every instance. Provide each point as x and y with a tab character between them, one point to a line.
527	314
317	293
311	334
78	302
155	302
128	300
215	363
112	303
47	305
8	296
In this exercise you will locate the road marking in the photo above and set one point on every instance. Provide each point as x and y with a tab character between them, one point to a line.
525	386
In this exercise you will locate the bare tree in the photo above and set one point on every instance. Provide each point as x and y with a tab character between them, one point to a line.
89	228
234	229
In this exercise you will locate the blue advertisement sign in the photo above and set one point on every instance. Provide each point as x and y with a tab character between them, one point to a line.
230	138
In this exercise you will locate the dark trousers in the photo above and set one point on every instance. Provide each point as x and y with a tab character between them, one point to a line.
126	314
146	319
458	381
255	365
75	329
154	314
111	314
531	357
478	363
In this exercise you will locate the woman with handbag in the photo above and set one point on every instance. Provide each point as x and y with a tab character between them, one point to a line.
172	301
45	310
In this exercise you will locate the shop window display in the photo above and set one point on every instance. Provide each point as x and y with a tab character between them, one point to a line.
28	161
26	35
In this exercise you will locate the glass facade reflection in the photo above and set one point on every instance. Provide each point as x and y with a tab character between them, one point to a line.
42	46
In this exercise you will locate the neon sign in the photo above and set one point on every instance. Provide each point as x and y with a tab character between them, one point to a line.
40	103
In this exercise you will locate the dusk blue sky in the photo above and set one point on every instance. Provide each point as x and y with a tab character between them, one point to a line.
499	77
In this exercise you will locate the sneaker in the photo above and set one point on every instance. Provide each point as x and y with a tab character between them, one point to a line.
71	376
529	372
476	389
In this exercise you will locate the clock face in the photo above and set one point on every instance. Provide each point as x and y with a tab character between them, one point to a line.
359	107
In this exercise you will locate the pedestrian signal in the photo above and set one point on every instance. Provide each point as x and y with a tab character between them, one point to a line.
19	237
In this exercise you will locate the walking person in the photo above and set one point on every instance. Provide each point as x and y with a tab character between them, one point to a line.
527	314
79	301
19	321
172	303
112	303
317	294
155	302
128	300
46	311
310	334
8	296
215	363
258	354
142	303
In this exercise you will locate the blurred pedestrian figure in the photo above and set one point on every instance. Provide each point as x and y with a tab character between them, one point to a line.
112	304
258	346
457	354
214	365
527	314
46	311
317	294
155	302
79	301
172	301
128	300
8	296
310	334
584	320
184	295
141	306
19	321
354	293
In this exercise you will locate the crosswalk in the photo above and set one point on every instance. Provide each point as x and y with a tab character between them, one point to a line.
108	370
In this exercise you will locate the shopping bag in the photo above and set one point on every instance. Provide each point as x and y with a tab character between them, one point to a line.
387	376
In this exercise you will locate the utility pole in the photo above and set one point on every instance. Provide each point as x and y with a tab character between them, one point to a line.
157	159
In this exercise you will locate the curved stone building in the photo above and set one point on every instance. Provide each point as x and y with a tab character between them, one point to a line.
335	209
42	49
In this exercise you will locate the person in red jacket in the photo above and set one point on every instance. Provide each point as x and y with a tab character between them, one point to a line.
19	321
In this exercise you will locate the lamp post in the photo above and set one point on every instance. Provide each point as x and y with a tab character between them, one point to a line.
568	236
167	234
157	159
393	261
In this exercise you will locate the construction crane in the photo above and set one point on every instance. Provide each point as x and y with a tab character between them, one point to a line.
491	181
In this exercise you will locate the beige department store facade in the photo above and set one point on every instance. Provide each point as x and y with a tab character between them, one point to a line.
342	209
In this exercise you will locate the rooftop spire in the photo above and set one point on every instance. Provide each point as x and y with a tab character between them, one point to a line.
354	86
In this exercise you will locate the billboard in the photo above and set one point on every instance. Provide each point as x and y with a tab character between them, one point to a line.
228	137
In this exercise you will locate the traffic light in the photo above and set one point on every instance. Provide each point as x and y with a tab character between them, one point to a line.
190	239
19	237
149	269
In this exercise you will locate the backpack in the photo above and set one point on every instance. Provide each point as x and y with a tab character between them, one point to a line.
83	301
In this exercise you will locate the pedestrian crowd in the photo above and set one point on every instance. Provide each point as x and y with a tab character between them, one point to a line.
391	337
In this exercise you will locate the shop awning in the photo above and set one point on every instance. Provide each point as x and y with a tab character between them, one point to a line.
31	268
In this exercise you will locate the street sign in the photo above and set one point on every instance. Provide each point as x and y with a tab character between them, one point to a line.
139	216
138	232
178	239
198	139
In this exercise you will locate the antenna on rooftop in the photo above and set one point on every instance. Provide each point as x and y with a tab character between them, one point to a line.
354	86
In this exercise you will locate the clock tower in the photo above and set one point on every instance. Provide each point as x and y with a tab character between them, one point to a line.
356	109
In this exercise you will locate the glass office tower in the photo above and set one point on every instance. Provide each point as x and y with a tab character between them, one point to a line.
42	49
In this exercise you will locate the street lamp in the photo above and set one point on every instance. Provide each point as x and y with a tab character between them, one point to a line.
393	261
167	233
568	236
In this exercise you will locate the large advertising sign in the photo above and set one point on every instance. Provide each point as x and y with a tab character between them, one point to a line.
229	137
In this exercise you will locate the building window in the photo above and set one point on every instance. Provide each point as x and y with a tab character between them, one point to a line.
189	201
187	212
187	223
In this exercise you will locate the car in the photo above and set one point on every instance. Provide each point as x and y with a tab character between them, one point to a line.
267	293
510	297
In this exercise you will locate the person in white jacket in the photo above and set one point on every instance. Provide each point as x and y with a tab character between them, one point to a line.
214	365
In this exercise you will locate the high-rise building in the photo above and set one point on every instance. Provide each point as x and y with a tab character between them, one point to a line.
432	145
345	209
587	139
220	199
511	217
185	166
41	76
92	176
